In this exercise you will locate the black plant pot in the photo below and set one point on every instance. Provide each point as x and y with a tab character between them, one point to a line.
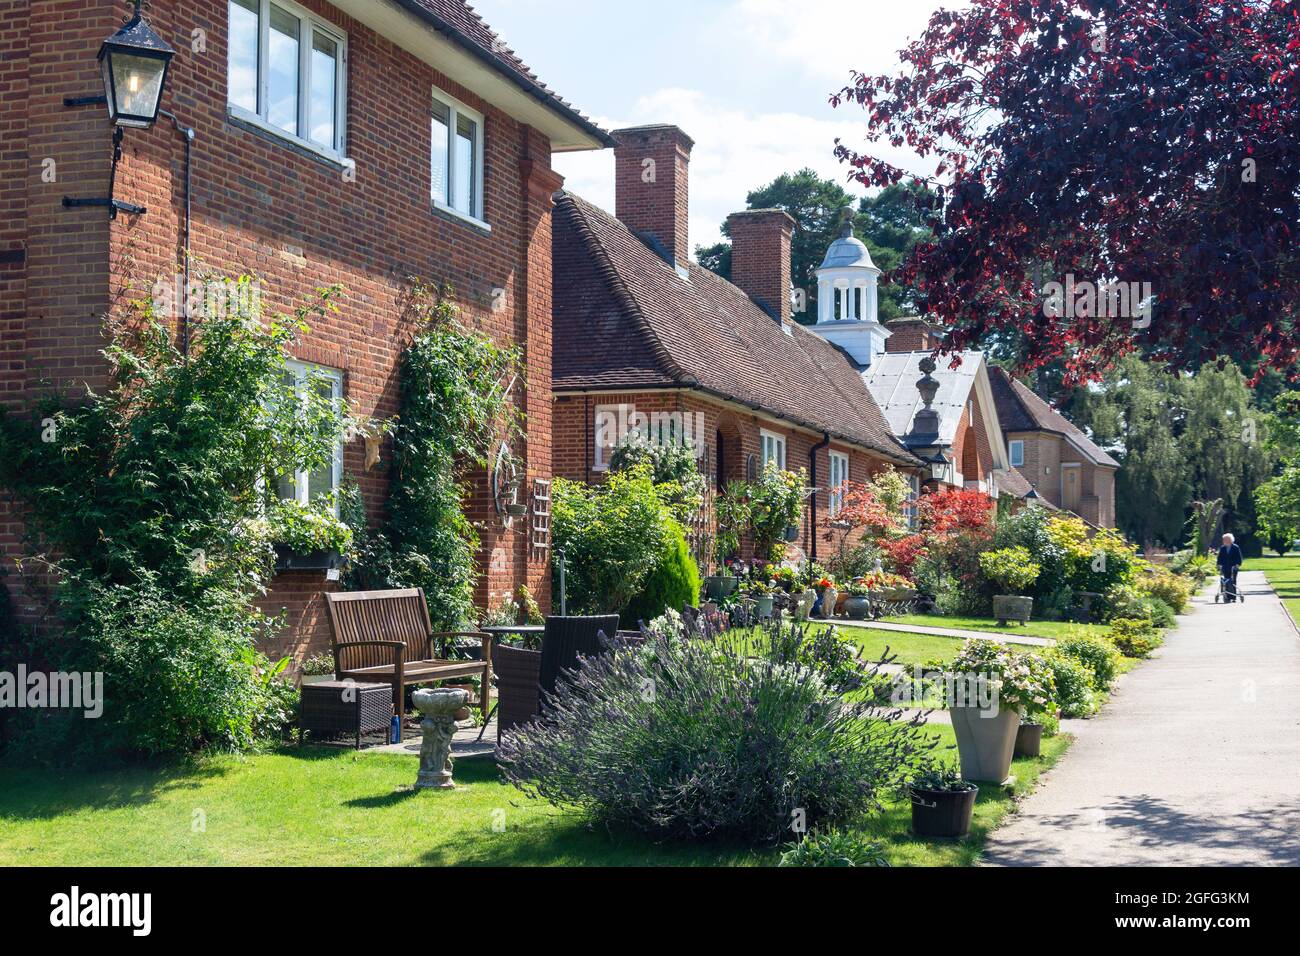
323	559
1029	740
942	814
791	533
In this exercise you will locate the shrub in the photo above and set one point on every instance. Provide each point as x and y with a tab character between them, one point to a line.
689	737
613	535
1197	568
1134	637
834	848
1097	563
1097	654
673	582
1011	569
1074	691
1158	583
775	504
1128	601
177	677
155	493
1030	528
673	468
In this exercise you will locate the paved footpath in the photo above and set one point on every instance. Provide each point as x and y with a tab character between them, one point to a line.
1194	762
945	632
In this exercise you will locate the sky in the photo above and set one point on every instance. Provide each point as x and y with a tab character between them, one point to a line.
748	80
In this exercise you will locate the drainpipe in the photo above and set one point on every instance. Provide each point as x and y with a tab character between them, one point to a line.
812	502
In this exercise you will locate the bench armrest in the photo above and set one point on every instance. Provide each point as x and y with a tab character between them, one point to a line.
398	648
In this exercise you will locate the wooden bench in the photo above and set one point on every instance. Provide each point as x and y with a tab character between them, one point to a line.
386	637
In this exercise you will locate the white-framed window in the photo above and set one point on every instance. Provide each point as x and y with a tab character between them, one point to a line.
287	73
456	163
839	478
307	485
1017	451
913	495
773	448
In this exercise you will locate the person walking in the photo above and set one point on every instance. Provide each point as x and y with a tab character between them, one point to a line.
1230	559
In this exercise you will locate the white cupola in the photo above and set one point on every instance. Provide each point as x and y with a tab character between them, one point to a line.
846	297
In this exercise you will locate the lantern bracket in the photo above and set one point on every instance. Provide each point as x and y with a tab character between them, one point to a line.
114	205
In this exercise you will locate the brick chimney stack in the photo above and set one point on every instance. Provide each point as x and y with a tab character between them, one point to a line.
911	334
650	185
760	257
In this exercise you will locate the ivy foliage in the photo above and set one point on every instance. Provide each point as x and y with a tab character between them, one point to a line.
149	502
455	407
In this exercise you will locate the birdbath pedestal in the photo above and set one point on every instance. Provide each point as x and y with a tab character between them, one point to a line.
438	708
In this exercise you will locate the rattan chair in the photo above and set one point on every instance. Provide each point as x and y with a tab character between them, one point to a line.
524	676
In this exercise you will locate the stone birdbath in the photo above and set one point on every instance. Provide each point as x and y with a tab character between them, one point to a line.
438	708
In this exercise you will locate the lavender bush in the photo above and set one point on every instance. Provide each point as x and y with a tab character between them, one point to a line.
695	735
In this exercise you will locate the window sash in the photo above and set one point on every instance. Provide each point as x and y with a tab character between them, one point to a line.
773	449
314	36
299	487
839	478
456	160
1016	450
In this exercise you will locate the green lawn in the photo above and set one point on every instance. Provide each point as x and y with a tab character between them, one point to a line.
1052	629
323	806
907	648
1284	575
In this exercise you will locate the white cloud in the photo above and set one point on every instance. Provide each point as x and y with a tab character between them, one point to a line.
826	39
736	150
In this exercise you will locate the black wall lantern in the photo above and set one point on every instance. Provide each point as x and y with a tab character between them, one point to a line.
134	61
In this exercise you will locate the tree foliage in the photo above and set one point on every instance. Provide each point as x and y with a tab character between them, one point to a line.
888	223
1143	141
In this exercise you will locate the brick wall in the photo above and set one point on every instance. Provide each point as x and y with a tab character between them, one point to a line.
971	449
296	220
740	434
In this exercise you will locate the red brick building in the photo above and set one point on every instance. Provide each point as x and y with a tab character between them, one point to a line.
358	142
1064	466
646	339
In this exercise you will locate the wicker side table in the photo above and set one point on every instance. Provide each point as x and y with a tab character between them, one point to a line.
345	707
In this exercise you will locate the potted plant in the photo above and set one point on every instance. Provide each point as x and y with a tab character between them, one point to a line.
1013	570
1039	710
858	603
827	596
764	598
785	579
942	804
992	686
318	668
307	537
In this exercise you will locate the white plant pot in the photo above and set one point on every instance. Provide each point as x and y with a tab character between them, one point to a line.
986	744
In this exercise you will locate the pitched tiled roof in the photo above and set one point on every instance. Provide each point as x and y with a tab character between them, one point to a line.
463	26
625	318
1020	410
1013	483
